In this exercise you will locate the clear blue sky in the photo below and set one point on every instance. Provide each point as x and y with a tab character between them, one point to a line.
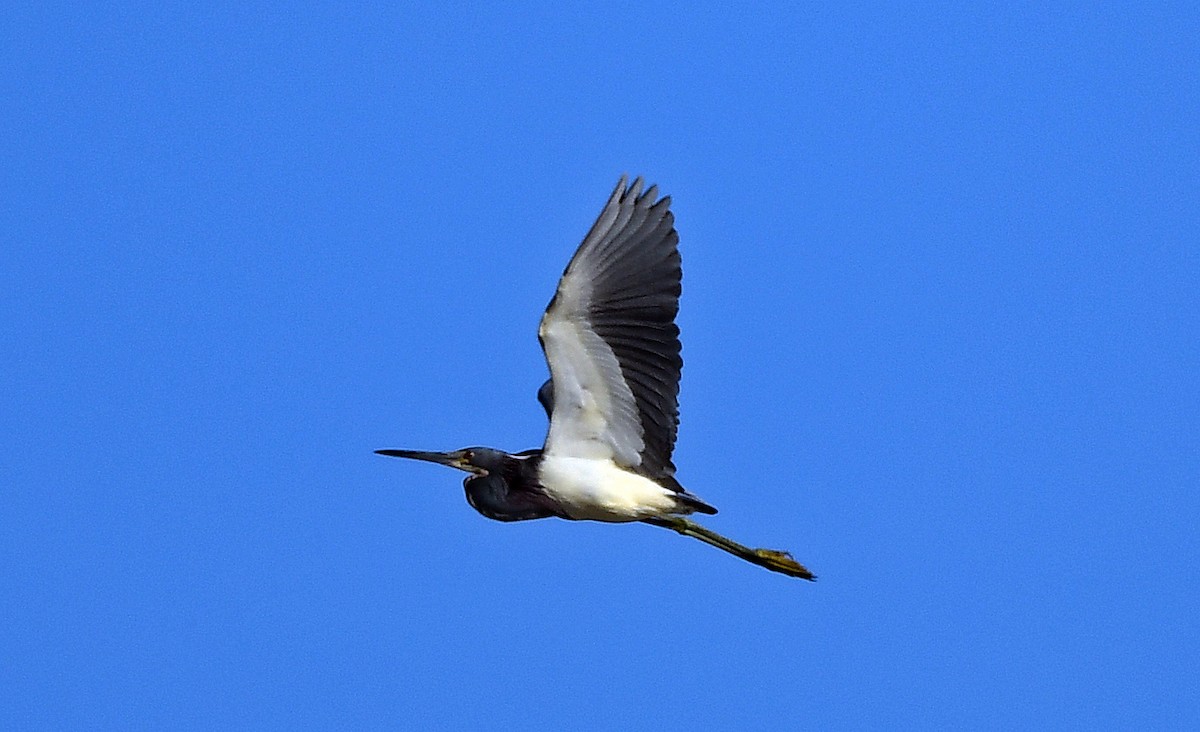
940	326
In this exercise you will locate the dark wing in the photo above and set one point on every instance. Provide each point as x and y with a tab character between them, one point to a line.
611	341
546	397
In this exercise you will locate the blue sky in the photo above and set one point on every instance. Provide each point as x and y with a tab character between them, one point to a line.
940	327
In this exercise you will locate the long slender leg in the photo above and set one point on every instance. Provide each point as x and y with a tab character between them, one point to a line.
776	561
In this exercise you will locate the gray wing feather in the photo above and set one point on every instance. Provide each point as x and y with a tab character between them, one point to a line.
611	341
546	397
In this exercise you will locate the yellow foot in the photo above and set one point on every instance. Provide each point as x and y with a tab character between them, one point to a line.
783	562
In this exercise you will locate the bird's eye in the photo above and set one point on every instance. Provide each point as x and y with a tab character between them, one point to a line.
469	455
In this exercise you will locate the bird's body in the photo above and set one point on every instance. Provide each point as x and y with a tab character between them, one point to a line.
598	489
613	349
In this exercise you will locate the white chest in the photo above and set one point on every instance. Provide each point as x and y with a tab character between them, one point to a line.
596	489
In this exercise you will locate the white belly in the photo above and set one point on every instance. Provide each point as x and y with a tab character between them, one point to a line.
588	488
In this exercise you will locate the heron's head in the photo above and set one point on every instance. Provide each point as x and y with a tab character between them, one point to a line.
477	460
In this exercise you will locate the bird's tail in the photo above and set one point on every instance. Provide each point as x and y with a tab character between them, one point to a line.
694	503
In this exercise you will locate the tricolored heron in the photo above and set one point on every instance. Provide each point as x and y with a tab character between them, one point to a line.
612	345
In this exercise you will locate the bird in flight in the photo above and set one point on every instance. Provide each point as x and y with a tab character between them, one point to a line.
612	399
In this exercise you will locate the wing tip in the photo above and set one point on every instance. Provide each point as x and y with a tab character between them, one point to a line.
627	190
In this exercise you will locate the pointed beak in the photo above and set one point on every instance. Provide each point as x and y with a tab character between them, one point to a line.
456	459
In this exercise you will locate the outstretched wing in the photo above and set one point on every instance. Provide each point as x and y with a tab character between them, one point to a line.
611	341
